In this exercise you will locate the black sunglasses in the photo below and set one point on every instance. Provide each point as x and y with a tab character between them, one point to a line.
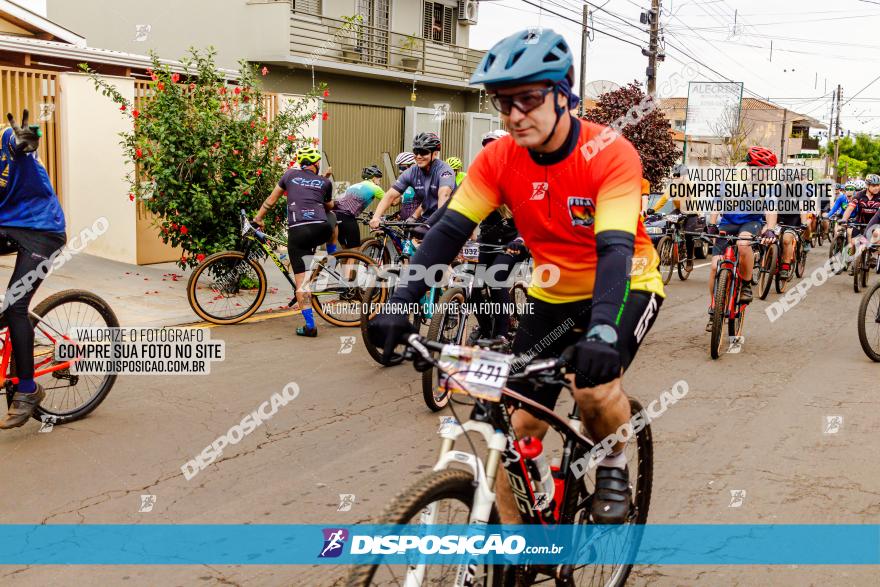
404	167
525	102
421	152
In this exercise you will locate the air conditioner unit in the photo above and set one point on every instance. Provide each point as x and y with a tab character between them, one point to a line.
467	11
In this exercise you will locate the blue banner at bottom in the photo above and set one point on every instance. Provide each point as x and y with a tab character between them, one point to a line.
169	544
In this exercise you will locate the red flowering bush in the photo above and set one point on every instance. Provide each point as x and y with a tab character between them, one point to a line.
651	136
202	156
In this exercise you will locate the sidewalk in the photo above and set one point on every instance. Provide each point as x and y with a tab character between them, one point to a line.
141	295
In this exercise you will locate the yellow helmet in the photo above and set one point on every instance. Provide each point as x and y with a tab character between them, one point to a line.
455	163
308	156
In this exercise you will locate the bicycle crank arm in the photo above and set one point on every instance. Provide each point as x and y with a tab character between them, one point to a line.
292	302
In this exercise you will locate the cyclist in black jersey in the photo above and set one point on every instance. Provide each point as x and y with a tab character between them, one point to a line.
309	199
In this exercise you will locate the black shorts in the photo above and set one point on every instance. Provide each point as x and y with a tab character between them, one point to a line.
752	227
302	241
552	328
349	231
789	220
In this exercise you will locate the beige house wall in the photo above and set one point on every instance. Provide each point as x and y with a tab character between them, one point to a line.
94	179
236	28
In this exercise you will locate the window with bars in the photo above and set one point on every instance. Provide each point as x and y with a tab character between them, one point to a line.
374	37
439	23
307	6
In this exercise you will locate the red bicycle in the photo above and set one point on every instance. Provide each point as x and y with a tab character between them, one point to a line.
69	396
725	302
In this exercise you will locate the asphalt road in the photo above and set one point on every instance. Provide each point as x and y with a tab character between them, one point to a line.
753	422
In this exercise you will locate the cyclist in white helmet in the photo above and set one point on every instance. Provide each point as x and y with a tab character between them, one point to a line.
408	203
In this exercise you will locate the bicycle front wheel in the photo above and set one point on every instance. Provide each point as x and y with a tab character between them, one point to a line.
721	299
666	251
338	287
375	250
767	268
858	262
227	288
69	396
441	497
869	323
446	324
801	261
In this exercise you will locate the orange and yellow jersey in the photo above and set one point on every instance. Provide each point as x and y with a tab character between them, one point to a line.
559	208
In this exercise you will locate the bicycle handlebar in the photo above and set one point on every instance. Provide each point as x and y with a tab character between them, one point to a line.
533	366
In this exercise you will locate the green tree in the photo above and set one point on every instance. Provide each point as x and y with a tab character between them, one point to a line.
848	167
204	150
651	135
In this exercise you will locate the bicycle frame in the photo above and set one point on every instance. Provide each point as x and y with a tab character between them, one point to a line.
730	261
265	244
39	371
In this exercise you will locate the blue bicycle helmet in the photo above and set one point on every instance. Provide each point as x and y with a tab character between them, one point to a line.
531	55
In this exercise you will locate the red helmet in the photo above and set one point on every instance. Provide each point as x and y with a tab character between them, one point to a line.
761	157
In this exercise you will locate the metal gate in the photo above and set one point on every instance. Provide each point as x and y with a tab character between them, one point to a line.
453	131
37	91
357	136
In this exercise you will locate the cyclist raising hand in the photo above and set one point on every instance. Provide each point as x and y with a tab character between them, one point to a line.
577	208
31	220
309	200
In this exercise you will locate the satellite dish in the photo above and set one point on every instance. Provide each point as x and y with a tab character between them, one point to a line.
596	88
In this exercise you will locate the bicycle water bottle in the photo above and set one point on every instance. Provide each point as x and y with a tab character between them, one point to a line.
532	450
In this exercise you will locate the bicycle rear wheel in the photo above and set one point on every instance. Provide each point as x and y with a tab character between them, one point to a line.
666	251
869	323
721	299
227	288
640	459
441	497
338	285
69	397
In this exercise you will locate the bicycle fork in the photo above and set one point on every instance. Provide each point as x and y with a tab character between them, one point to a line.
484	494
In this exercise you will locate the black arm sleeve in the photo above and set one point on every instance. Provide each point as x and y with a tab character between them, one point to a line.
442	243
615	251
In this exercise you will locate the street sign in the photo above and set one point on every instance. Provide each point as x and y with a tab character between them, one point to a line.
713	108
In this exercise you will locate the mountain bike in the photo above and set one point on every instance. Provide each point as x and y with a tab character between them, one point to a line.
455	321
396	245
670	249
869	320
69	396
455	496
228	287
725	304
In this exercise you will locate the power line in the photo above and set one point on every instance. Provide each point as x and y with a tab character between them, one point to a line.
579	23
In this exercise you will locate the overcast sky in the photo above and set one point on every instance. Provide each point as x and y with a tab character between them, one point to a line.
816	45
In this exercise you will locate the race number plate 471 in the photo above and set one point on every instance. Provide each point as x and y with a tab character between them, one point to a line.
476	372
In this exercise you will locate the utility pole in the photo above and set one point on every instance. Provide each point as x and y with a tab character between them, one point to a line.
584	40
783	141
830	134
837	128
652	18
